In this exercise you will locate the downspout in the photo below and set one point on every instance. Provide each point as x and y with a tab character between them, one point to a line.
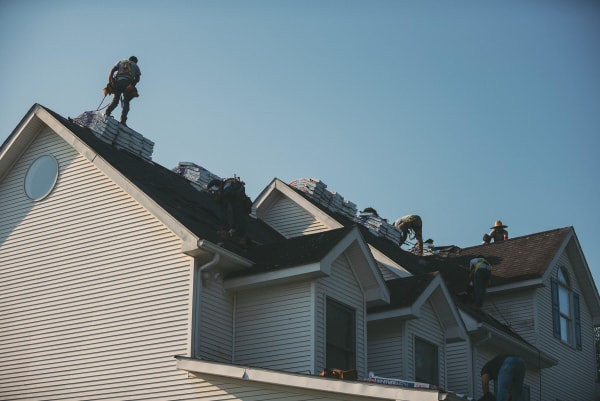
485	339
198	284
215	260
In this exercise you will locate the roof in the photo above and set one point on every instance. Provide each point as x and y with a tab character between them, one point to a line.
294	251
405	291
192	208
514	260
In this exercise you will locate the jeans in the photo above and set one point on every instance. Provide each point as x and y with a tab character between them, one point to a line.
510	379
480	281
121	84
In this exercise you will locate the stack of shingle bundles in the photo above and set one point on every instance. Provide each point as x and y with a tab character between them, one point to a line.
378	226
390	232
110	131
317	190
195	173
132	141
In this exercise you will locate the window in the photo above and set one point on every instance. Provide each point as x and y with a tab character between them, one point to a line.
564	306
41	177
565	310
341	336
426	362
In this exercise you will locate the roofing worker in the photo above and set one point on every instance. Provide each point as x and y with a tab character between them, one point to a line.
508	373
122	79
234	206
411	224
479	278
497	233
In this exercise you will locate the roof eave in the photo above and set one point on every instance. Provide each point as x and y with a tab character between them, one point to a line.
343	388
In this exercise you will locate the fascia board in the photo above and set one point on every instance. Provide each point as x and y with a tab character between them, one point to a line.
19	140
405	313
314	270
290	193
471	324
263	200
557	255
529	352
187	237
307	382
369	275
446	305
385	260
585	280
537	282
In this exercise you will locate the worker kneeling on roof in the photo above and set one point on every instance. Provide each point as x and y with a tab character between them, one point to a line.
413	225
234	206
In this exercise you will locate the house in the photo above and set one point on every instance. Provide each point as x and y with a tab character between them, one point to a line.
115	284
541	289
542	302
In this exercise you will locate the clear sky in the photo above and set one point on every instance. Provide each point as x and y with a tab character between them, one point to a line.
463	112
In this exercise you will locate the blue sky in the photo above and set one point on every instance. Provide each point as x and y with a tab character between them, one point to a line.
462	112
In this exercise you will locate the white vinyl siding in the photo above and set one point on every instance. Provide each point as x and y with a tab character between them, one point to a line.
342	286
428	328
458	367
273	328
214	340
515	310
94	290
385	348
575	367
291	220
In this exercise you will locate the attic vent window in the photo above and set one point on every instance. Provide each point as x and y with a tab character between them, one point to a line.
41	177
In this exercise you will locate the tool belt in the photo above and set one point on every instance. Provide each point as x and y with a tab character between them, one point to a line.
131	91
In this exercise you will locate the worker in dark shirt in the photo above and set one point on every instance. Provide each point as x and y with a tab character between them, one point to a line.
508	374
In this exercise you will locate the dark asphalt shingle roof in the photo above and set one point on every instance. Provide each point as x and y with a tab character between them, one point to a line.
196	210
514	260
405	291
297	251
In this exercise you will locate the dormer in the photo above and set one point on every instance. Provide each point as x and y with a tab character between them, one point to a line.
302	306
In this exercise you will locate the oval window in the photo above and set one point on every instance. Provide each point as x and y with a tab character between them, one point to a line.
41	177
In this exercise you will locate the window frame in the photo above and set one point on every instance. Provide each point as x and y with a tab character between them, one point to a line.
566	320
348	350
436	351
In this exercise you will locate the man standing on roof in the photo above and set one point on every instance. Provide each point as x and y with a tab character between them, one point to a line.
497	233
121	81
508	374
411	224
479	278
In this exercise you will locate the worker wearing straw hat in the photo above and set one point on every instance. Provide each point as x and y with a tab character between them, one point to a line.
498	233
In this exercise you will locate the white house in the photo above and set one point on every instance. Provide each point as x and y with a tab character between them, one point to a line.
114	283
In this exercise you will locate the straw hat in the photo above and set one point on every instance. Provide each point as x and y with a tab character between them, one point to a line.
498	224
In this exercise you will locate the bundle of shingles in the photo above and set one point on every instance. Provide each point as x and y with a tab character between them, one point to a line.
198	175
121	136
378	226
317	190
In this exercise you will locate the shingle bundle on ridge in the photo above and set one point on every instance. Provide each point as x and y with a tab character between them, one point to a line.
110	131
